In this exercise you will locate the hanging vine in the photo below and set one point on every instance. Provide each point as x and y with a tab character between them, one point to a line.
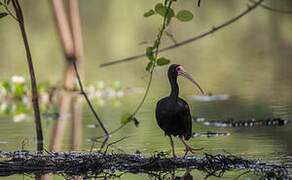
167	13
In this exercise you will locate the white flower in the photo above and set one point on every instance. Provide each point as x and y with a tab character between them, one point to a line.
26	100
18	79
90	92
44	98
100	84
109	93
3	107
98	94
120	93
19	117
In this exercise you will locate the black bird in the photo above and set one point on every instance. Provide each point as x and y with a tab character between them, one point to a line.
173	113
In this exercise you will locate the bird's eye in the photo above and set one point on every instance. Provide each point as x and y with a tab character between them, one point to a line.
179	68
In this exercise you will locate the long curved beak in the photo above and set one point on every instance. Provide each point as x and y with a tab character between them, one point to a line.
186	75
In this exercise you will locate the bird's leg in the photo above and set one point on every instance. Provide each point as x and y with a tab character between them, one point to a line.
188	148
172	147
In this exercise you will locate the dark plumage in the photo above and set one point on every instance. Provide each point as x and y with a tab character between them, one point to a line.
173	117
172	112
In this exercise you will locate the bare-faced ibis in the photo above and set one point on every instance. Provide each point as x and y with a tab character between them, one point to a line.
173	113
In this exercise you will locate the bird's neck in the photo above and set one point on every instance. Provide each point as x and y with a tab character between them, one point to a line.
174	88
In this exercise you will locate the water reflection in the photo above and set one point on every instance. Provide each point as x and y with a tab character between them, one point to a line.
210	97
186	176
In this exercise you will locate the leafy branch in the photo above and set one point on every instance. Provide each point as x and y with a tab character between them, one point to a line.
87	99
195	38
165	10
8	11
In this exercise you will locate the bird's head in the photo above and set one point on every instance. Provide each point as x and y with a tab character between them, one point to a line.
176	70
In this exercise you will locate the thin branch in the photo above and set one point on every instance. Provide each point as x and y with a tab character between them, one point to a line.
9	12
273	9
34	92
214	29
103	143
110	133
112	143
87	99
158	40
244	173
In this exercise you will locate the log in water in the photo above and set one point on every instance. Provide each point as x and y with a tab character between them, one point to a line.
95	164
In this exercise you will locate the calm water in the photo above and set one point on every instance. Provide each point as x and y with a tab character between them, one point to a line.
266	143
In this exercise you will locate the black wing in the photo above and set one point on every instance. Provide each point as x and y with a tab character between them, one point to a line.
186	119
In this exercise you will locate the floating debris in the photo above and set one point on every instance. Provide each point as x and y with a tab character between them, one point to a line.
210	134
54	115
210	97
94	164
249	123
197	119
93	126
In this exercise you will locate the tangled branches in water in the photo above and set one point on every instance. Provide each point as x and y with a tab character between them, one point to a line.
115	165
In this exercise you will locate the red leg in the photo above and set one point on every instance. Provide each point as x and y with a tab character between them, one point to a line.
188	148
172	147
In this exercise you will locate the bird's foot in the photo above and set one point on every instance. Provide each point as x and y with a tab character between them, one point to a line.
192	150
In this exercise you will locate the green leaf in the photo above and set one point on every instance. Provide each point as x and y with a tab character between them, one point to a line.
149	13
184	15
162	61
7	86
1	4
170	13
126	118
20	108
149	53
8	1
161	10
116	85
19	90
158	7
149	65
2	15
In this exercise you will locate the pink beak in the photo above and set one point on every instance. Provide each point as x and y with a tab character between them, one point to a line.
186	75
